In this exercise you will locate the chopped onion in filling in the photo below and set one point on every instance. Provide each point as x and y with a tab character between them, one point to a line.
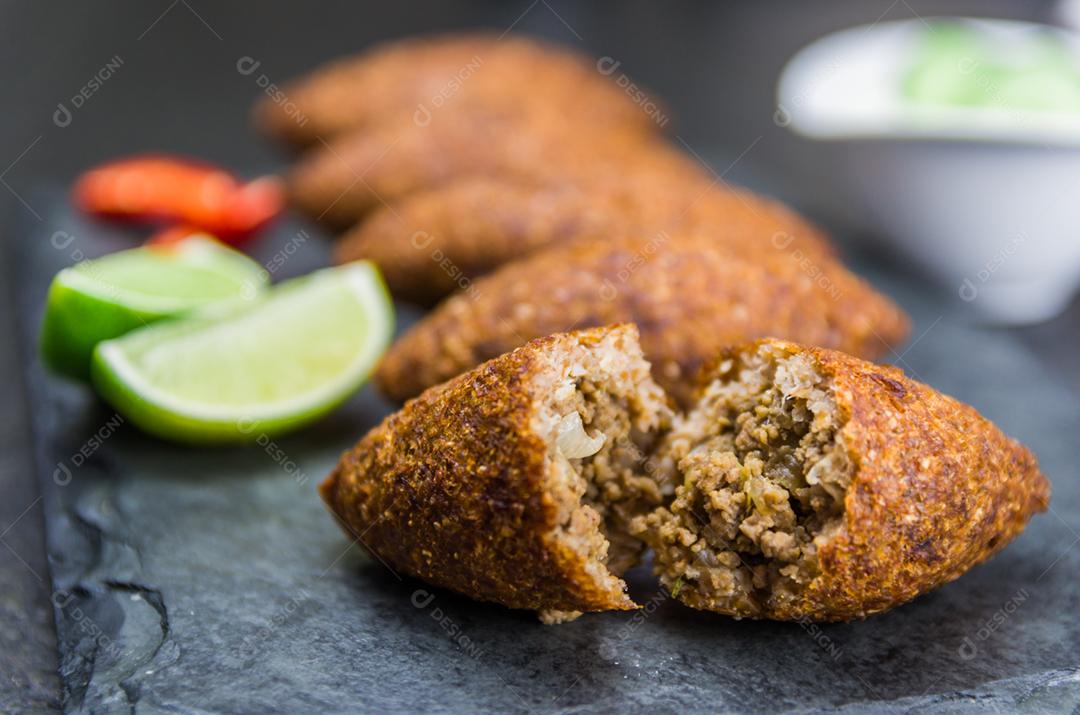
572	440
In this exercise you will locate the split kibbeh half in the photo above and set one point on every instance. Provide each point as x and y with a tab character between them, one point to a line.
804	484
433	242
516	482
414	80
689	295
814	485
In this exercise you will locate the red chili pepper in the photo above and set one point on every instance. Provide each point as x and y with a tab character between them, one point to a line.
172	235
164	188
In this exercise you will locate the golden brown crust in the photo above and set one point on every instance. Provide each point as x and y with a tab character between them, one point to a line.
937	489
689	296
340	182
452	489
434	242
413	80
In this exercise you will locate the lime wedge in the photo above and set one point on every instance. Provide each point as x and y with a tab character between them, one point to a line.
107	297
260	370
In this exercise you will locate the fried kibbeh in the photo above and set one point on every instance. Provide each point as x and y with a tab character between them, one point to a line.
803	483
688	294
341	182
433	242
412	80
516	482
813	485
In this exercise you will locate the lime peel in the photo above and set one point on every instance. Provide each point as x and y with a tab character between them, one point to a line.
107	297
226	378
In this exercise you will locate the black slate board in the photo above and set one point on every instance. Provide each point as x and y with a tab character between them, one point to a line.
213	580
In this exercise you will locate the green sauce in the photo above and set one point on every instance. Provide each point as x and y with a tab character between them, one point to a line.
957	65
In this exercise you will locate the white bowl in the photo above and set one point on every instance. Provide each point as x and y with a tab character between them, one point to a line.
985	198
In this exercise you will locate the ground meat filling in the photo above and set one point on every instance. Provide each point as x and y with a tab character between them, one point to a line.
763	482
617	485
600	413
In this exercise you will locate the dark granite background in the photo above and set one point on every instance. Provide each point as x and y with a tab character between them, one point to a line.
187	581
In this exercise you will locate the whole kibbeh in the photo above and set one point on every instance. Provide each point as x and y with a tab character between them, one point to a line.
414	80
340	182
433	242
689	294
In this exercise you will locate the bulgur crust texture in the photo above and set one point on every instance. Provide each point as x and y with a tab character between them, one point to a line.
689	295
436	241
415	79
473	487
925	489
341	182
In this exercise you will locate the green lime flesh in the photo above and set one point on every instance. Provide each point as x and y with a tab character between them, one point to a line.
107	297
243	373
